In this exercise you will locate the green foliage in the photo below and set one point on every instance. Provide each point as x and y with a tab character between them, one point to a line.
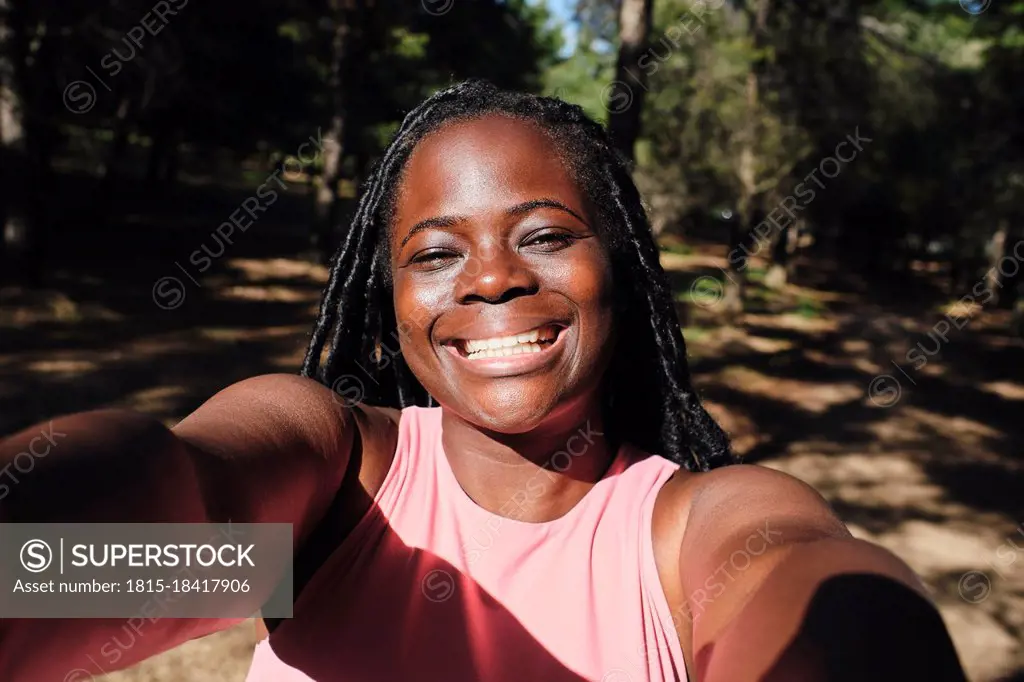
935	89
808	308
582	79
680	248
696	115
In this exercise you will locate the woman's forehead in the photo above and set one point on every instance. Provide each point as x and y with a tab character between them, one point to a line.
474	166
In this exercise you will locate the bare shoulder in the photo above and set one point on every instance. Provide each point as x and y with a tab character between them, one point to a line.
708	509
282	391
739	496
706	516
272	411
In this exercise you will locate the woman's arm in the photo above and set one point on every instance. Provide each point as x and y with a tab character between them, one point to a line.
268	449
778	590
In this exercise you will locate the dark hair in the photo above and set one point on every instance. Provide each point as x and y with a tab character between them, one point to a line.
662	413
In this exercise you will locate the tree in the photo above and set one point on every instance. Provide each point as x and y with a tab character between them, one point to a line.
345	20
18	243
626	96
750	192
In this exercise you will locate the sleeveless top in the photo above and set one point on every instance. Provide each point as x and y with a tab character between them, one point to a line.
431	586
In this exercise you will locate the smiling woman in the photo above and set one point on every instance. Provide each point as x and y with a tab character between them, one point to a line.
528	486
490	197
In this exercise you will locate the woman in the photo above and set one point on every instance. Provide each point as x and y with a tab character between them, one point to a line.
501	266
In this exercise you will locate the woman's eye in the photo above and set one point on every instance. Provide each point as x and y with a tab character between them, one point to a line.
550	241
434	257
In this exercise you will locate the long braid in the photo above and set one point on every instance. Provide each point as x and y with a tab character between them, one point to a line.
343	292
663	414
708	444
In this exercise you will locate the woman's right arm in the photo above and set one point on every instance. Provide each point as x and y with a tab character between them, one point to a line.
269	449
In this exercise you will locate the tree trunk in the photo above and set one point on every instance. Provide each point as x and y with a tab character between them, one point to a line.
325	209
626	95
735	286
1005	277
748	202
18	247
781	269
994	275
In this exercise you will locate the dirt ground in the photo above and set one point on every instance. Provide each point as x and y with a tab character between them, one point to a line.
925	459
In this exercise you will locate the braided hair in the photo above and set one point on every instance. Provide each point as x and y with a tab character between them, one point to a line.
662	414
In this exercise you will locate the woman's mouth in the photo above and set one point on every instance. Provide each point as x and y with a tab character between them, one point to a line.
533	341
510	355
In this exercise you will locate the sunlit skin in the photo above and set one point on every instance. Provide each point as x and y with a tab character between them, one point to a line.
492	237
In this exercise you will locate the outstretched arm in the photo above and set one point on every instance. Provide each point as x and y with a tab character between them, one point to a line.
778	590
268	449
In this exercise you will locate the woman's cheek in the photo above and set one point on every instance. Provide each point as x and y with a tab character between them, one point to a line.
412	315
591	285
590	281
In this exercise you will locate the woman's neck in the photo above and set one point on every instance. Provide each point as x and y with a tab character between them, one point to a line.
532	477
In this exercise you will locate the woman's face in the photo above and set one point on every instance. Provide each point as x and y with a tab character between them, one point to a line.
503	291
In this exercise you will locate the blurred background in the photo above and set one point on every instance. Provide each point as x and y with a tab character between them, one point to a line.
836	186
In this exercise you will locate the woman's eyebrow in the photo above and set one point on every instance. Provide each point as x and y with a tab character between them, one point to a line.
430	223
518	209
528	206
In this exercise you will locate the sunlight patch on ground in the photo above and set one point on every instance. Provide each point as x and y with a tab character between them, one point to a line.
794	322
159	400
155	347
22	308
289	363
872	483
958	429
936	549
958	310
861	364
1004	389
936	435
855	346
61	366
280	294
257	270
679	262
812	397
766	345
237	334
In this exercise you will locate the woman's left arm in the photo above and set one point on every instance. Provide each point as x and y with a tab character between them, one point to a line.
778	590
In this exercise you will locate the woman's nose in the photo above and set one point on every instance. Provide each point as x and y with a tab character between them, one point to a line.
494	277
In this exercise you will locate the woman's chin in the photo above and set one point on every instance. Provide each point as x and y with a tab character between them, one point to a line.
511	421
515	412
506	416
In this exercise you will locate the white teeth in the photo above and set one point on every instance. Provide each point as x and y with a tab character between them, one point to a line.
510	345
503	352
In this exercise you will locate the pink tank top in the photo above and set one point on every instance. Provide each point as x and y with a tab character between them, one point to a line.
431	586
